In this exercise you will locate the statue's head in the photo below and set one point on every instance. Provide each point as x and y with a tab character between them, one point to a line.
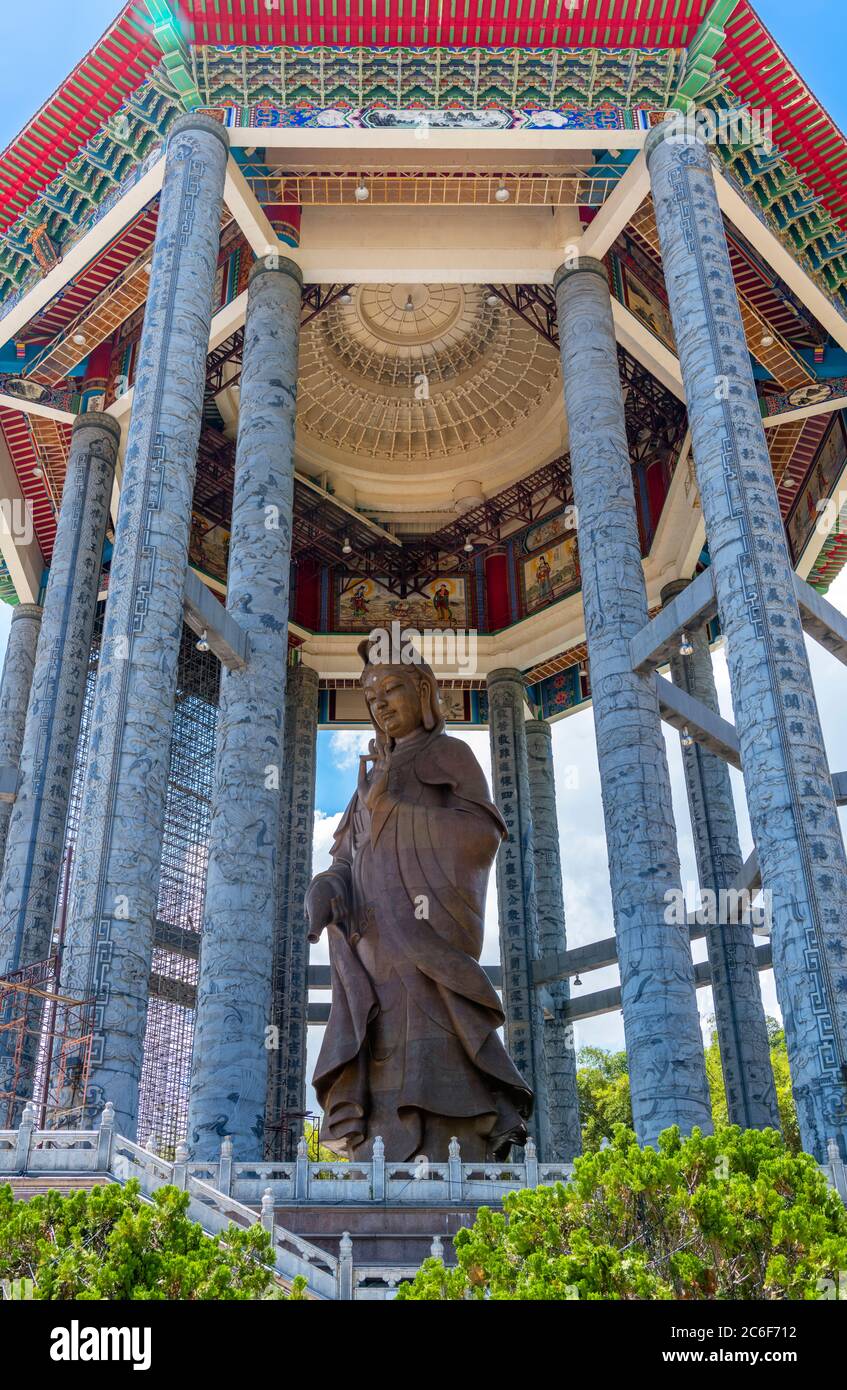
401	696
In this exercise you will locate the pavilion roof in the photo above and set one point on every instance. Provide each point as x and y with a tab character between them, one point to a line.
757	71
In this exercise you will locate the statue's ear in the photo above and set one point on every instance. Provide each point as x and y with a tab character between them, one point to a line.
427	712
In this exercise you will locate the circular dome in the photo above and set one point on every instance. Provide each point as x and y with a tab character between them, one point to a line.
409	372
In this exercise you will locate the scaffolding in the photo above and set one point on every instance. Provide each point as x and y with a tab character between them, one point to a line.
45	1048
163	1099
165	1076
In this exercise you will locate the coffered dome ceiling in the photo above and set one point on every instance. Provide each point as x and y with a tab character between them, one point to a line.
406	374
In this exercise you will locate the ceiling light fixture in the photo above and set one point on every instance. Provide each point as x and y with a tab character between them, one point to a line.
686	739
345	298
685	647
492	299
80	339
767	340
502	195
346	548
362	192
202	643
408	307
468	546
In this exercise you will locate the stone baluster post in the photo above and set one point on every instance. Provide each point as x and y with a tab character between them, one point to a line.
109	942
661	1023
230	1061
787	778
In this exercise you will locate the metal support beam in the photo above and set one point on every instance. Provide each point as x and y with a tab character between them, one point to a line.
604	229
607	1001
821	620
654	645
206	614
678	709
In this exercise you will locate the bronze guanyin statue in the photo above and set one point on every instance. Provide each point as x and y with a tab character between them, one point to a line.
411	1050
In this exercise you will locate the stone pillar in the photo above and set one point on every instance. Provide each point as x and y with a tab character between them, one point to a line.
36	836
287	1061
739	1012
18	667
519	945
109	942
565	1136
786	775
230	1062
661	1023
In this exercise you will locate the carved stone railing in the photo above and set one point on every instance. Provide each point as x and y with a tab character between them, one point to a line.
416	1182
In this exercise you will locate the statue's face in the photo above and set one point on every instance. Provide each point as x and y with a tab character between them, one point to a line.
393	700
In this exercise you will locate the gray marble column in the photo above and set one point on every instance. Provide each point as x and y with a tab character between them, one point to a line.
231	1040
33	865
739	1012
787	778
109	942
661	1023
18	666
516	893
287	1060
563	1101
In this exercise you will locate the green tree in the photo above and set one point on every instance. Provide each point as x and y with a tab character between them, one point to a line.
318	1152
603	1085
782	1079
602	1082
109	1243
734	1215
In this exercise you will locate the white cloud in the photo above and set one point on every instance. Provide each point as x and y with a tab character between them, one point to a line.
345	745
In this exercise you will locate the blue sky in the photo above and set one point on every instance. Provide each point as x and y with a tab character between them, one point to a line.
42	43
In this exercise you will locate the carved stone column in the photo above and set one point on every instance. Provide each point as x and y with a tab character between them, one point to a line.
516	893
30	881
661	1022
117	864
18	666
230	1061
565	1136
287	1060
786	775
739	1011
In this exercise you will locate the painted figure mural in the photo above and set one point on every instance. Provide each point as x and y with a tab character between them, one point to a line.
411	1051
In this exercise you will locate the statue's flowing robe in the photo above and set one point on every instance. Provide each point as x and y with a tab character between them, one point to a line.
411	1050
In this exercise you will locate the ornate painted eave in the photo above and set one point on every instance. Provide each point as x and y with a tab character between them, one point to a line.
618	63
81	107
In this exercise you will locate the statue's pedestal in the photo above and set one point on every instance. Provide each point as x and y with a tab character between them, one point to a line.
381	1234
389	1242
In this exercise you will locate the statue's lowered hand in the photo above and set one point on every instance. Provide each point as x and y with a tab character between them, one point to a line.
321	906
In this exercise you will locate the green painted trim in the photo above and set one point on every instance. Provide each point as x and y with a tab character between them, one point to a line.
700	60
175	51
